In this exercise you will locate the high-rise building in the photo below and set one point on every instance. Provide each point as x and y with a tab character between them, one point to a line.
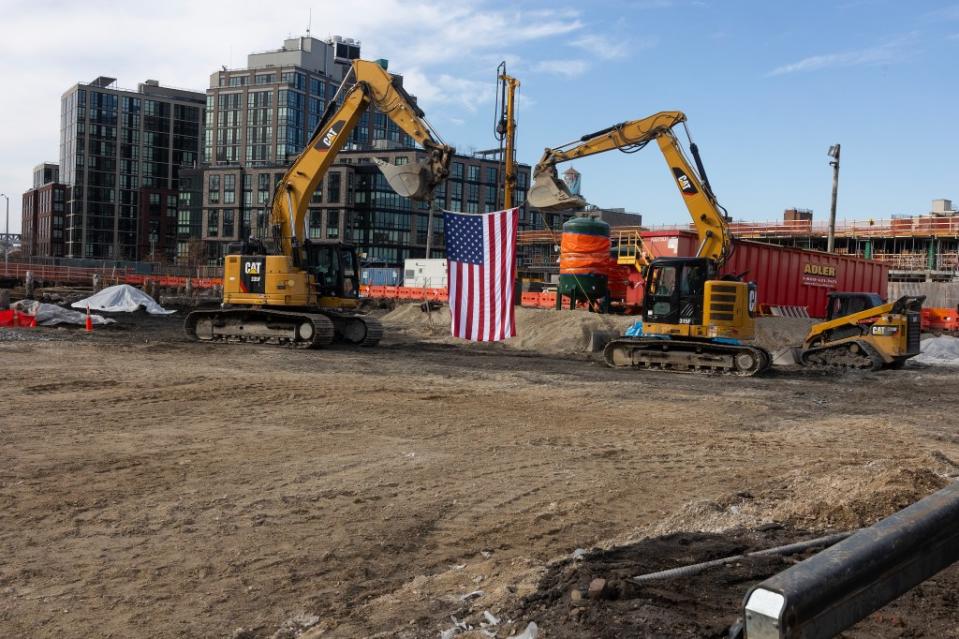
120	155
263	114
260	117
43	214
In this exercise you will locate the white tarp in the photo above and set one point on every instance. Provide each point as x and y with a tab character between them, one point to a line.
121	299
51	314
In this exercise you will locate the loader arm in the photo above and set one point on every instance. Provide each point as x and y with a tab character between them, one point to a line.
820	330
549	192
373	85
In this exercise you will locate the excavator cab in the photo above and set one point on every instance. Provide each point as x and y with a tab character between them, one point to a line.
675	290
334	268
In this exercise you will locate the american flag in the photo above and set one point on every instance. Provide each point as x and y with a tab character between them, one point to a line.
481	253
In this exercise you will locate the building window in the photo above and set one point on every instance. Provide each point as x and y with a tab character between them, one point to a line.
333	224
228	227
456	171
473	173
229	188
265	78
213	223
213	187
491	175
333	188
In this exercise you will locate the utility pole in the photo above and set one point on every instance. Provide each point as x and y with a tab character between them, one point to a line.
6	239
429	226
834	163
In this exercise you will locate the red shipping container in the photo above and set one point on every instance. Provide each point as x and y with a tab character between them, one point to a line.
785	276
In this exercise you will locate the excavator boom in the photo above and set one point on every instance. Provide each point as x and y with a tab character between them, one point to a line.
373	85
549	192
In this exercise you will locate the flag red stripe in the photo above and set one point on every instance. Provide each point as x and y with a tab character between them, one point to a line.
506	300
481	295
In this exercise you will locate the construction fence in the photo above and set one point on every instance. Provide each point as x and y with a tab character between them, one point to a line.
46	274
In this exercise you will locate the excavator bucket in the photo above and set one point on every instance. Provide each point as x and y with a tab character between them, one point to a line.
551	193
409	180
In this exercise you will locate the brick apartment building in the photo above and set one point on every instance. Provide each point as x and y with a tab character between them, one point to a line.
43	213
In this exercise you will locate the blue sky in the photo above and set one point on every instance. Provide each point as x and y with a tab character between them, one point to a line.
767	86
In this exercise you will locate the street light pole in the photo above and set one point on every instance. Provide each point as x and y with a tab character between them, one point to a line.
834	154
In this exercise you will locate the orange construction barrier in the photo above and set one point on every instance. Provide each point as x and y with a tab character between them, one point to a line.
940	319
530	299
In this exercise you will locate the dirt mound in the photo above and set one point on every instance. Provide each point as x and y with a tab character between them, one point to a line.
848	498
554	332
540	330
702	605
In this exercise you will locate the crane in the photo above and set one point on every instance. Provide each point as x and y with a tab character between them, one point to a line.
302	292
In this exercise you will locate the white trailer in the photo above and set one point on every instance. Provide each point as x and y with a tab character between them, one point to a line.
424	273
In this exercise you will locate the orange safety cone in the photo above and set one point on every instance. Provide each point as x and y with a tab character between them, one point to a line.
89	325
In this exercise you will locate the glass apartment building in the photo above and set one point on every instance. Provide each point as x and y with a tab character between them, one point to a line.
120	155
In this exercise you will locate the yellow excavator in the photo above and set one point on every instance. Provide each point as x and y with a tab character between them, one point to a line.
694	319
302	292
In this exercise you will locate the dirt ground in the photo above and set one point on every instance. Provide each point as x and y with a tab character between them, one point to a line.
153	487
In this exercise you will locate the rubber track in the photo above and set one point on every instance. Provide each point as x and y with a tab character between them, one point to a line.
374	331
323	330
836	360
686	346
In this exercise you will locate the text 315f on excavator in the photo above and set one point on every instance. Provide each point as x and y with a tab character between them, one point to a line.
301	292
695	320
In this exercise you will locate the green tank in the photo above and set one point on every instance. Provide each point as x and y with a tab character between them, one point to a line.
582	285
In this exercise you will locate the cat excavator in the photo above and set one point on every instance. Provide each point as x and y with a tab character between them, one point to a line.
305	293
696	320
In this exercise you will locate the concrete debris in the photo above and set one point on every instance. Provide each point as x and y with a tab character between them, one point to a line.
491	618
597	588
531	632
472	595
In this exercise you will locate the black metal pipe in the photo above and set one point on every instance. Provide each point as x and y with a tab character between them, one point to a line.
836	588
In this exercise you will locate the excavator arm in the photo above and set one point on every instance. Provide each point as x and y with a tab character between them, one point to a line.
372	85
551	193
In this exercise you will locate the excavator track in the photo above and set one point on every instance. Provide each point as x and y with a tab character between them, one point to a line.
854	355
355	328
261	326
686	356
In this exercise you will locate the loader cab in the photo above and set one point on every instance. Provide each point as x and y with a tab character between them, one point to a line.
843	304
335	268
675	288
